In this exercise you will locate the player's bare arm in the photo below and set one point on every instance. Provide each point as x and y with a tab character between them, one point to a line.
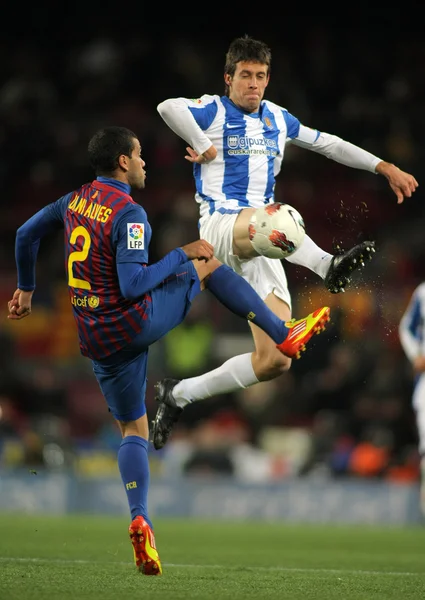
20	305
402	184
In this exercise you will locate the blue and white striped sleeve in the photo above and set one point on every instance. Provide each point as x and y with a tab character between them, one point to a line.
189	119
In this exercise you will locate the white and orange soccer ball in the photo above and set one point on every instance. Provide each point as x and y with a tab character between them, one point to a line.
276	230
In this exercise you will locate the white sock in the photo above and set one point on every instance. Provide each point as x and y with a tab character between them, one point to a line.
235	374
311	256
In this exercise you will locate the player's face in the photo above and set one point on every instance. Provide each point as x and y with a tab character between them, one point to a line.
136	173
247	85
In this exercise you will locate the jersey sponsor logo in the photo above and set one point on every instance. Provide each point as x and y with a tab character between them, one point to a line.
85	301
233	141
242	145
243	141
135	236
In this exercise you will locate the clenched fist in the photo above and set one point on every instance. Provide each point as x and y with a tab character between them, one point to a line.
20	305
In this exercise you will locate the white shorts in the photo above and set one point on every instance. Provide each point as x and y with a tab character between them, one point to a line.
266	275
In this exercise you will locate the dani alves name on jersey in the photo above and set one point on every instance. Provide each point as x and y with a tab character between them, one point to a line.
91	210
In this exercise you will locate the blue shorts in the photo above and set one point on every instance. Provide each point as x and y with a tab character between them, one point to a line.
122	376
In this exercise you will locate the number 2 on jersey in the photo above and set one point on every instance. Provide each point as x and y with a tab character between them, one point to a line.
78	256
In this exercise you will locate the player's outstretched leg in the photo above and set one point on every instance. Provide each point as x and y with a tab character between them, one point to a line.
343	266
167	413
302	330
145	552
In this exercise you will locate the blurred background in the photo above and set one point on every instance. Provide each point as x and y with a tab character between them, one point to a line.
343	413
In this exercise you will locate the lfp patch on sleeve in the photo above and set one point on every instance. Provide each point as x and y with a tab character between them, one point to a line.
135	236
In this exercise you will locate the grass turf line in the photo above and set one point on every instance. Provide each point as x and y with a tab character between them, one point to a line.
89	557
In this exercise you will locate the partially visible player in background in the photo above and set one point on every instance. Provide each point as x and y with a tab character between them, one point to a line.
412	338
236	145
122	305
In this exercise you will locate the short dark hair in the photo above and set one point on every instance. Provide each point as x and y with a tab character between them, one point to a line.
246	49
107	145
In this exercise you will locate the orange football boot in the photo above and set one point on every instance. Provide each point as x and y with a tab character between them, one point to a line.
145	552
302	330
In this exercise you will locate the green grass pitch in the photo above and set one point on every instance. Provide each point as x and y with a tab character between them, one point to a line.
90	557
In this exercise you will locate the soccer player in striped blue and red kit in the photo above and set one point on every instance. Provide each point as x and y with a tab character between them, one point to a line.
122	305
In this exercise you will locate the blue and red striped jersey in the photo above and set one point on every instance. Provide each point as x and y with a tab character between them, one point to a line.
107	237
103	227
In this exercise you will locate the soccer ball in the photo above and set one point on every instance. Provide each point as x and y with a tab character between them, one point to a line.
276	230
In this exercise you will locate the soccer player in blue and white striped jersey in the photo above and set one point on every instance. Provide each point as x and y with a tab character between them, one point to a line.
412	339
237	144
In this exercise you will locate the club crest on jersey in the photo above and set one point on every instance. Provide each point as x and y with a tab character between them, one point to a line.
268	122
135	236
93	301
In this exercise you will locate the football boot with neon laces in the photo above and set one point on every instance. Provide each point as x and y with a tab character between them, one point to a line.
301	331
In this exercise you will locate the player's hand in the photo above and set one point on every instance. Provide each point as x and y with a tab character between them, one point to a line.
203	158
419	364
200	249
20	305
402	184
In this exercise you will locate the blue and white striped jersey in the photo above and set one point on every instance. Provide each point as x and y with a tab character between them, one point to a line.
412	325
250	148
